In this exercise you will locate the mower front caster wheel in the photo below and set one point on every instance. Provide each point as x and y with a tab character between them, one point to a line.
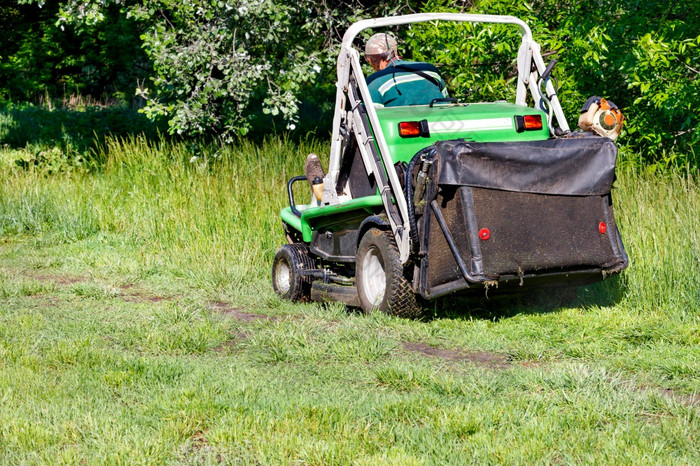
287	279
381	283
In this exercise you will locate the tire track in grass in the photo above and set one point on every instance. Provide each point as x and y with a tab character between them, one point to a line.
239	314
498	361
690	401
60	280
134	294
228	310
495	361
481	358
129	293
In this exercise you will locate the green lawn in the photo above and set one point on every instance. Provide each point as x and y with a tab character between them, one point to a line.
138	325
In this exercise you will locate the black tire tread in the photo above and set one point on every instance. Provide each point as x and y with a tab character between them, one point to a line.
401	299
297	254
306	262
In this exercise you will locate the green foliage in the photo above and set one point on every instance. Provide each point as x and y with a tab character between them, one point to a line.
42	60
643	55
220	68
226	68
476	60
212	59
217	66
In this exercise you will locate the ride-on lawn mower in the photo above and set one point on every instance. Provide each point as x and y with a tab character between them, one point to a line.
425	200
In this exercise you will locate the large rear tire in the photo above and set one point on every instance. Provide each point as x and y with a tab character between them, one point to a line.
287	278
381	282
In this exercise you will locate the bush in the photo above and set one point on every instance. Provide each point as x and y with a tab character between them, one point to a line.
644	56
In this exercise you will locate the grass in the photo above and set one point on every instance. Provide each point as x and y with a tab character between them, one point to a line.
67	137
137	324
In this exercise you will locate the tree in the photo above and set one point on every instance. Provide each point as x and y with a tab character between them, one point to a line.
642	54
40	59
218	64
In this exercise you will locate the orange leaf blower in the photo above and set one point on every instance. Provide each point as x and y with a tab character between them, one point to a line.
602	117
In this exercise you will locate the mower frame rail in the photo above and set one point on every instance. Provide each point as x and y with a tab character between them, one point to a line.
349	65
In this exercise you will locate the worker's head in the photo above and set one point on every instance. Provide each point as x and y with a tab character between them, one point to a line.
381	48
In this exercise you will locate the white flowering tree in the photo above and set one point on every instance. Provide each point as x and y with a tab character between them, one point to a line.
212	60
219	63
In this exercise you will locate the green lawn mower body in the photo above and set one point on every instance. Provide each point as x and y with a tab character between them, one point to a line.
423	201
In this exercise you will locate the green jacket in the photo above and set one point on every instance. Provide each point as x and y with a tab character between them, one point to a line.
406	83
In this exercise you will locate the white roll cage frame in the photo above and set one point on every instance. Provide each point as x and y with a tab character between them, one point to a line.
349	61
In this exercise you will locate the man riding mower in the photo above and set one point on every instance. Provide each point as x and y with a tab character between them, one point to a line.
423	198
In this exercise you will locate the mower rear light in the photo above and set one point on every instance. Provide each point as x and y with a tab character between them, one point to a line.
533	122
528	123
414	129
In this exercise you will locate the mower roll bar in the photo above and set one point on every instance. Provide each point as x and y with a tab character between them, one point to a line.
349	61
361	25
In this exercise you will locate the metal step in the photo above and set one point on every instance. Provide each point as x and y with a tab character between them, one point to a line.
331	292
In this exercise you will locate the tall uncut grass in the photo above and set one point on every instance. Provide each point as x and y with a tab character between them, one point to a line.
211	214
659	216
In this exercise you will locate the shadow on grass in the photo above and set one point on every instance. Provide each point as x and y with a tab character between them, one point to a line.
495	306
72	132
72	136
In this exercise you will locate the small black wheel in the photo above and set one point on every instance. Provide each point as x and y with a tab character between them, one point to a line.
287	279
381	282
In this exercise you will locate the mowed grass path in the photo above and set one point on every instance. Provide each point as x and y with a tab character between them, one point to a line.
138	325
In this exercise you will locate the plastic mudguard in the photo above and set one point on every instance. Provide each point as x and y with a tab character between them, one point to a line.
520	213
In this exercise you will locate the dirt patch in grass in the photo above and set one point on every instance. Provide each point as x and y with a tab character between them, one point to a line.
133	294
231	344
199	451
60	280
687	400
227	309
143	298
199	440
482	358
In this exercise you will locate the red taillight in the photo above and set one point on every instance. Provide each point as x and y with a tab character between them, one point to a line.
532	122
413	129
528	123
409	129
